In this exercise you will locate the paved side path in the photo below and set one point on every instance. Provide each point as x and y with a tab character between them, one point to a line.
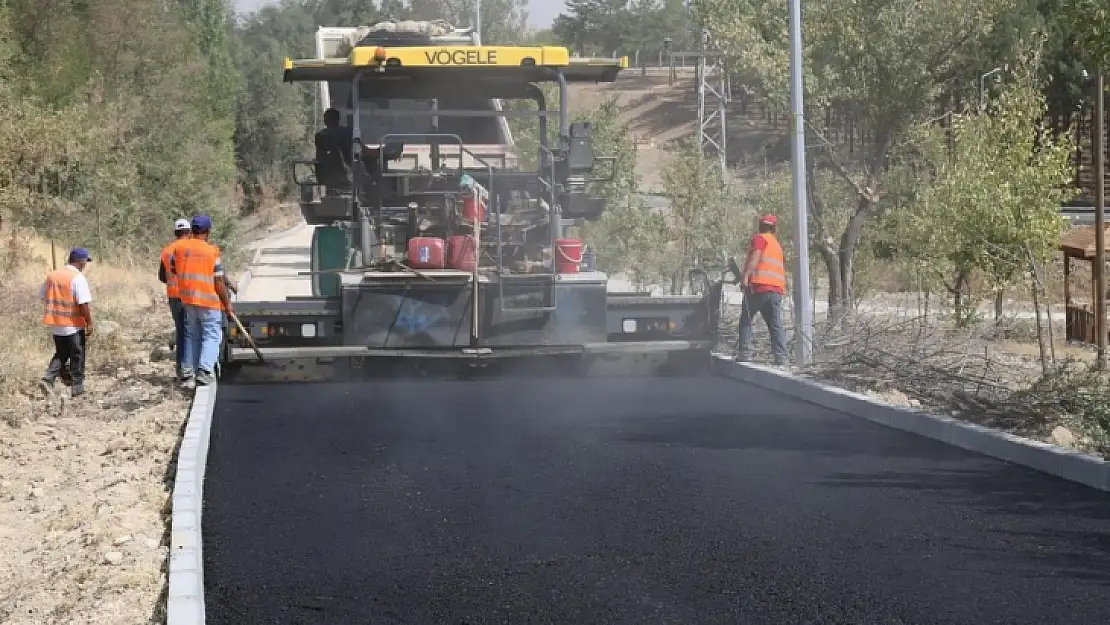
281	257
631	500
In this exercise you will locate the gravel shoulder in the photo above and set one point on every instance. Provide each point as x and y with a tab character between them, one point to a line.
85	484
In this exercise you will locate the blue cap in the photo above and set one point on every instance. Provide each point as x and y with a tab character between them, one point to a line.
79	254
202	222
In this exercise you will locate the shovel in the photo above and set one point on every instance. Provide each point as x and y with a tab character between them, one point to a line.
250	341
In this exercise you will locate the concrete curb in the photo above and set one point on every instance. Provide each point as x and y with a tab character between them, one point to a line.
185	601
1064	463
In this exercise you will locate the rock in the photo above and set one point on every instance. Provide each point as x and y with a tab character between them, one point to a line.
1063	437
113	558
122	540
152	543
897	397
159	353
107	328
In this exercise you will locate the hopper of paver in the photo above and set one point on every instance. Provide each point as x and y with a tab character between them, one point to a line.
438	242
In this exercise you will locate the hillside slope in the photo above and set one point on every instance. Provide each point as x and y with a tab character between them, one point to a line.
661	114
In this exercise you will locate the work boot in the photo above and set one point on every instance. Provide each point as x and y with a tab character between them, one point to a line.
204	378
77	390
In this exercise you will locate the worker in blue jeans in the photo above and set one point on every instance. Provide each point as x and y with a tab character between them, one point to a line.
204	293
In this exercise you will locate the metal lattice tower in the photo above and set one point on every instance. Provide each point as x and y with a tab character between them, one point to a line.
714	94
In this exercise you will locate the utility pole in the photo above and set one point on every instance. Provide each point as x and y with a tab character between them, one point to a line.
803	308
1100	219
478	20
712	84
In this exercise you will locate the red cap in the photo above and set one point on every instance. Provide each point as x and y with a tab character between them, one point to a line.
769	219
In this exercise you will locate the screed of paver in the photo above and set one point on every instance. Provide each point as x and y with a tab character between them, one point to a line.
624	501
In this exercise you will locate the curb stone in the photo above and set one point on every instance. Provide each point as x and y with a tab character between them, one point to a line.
185	600
1044	457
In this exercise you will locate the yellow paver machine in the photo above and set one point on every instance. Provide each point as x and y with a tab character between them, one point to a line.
439	236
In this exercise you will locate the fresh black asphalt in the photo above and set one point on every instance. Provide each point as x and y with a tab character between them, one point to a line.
624	500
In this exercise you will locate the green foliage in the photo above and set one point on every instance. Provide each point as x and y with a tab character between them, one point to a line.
606	27
104	137
885	62
619	235
210	22
703	226
992	204
1089	21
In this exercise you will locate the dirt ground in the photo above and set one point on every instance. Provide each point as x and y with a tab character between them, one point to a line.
85	484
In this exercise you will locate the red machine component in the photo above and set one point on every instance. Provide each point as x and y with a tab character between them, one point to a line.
426	253
472	211
461	253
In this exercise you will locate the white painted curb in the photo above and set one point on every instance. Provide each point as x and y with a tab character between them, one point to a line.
185	601
1065	463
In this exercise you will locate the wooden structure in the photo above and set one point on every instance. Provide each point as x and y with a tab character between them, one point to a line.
1079	244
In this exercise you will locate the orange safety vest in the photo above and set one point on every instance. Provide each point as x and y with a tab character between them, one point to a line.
771	270
171	278
61	305
195	261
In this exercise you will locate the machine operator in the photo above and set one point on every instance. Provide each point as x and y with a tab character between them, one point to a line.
333	152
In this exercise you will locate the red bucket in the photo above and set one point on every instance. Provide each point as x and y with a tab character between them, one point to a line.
568	255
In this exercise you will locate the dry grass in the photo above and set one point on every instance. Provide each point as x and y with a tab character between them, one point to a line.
85	484
987	374
119	295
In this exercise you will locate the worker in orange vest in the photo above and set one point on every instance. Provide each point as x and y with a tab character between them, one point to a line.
203	291
764	283
67	299
181	230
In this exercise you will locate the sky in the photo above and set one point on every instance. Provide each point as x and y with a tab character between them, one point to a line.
540	12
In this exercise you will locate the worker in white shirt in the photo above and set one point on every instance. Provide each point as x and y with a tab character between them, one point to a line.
67	299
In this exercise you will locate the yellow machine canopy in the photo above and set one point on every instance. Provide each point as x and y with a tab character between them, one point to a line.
498	63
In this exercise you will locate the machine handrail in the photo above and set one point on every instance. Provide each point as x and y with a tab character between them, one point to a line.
555	224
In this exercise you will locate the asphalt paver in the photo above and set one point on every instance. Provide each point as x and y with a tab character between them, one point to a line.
624	500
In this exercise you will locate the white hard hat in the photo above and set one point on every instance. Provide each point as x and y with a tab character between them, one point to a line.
181	224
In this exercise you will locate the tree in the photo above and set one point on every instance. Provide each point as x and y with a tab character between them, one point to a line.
211	22
106	135
606	27
885	62
1089	21
992	203
703	225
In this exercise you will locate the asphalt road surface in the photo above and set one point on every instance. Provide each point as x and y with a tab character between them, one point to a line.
630	500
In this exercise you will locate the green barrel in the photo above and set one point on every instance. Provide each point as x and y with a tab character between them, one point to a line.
329	252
